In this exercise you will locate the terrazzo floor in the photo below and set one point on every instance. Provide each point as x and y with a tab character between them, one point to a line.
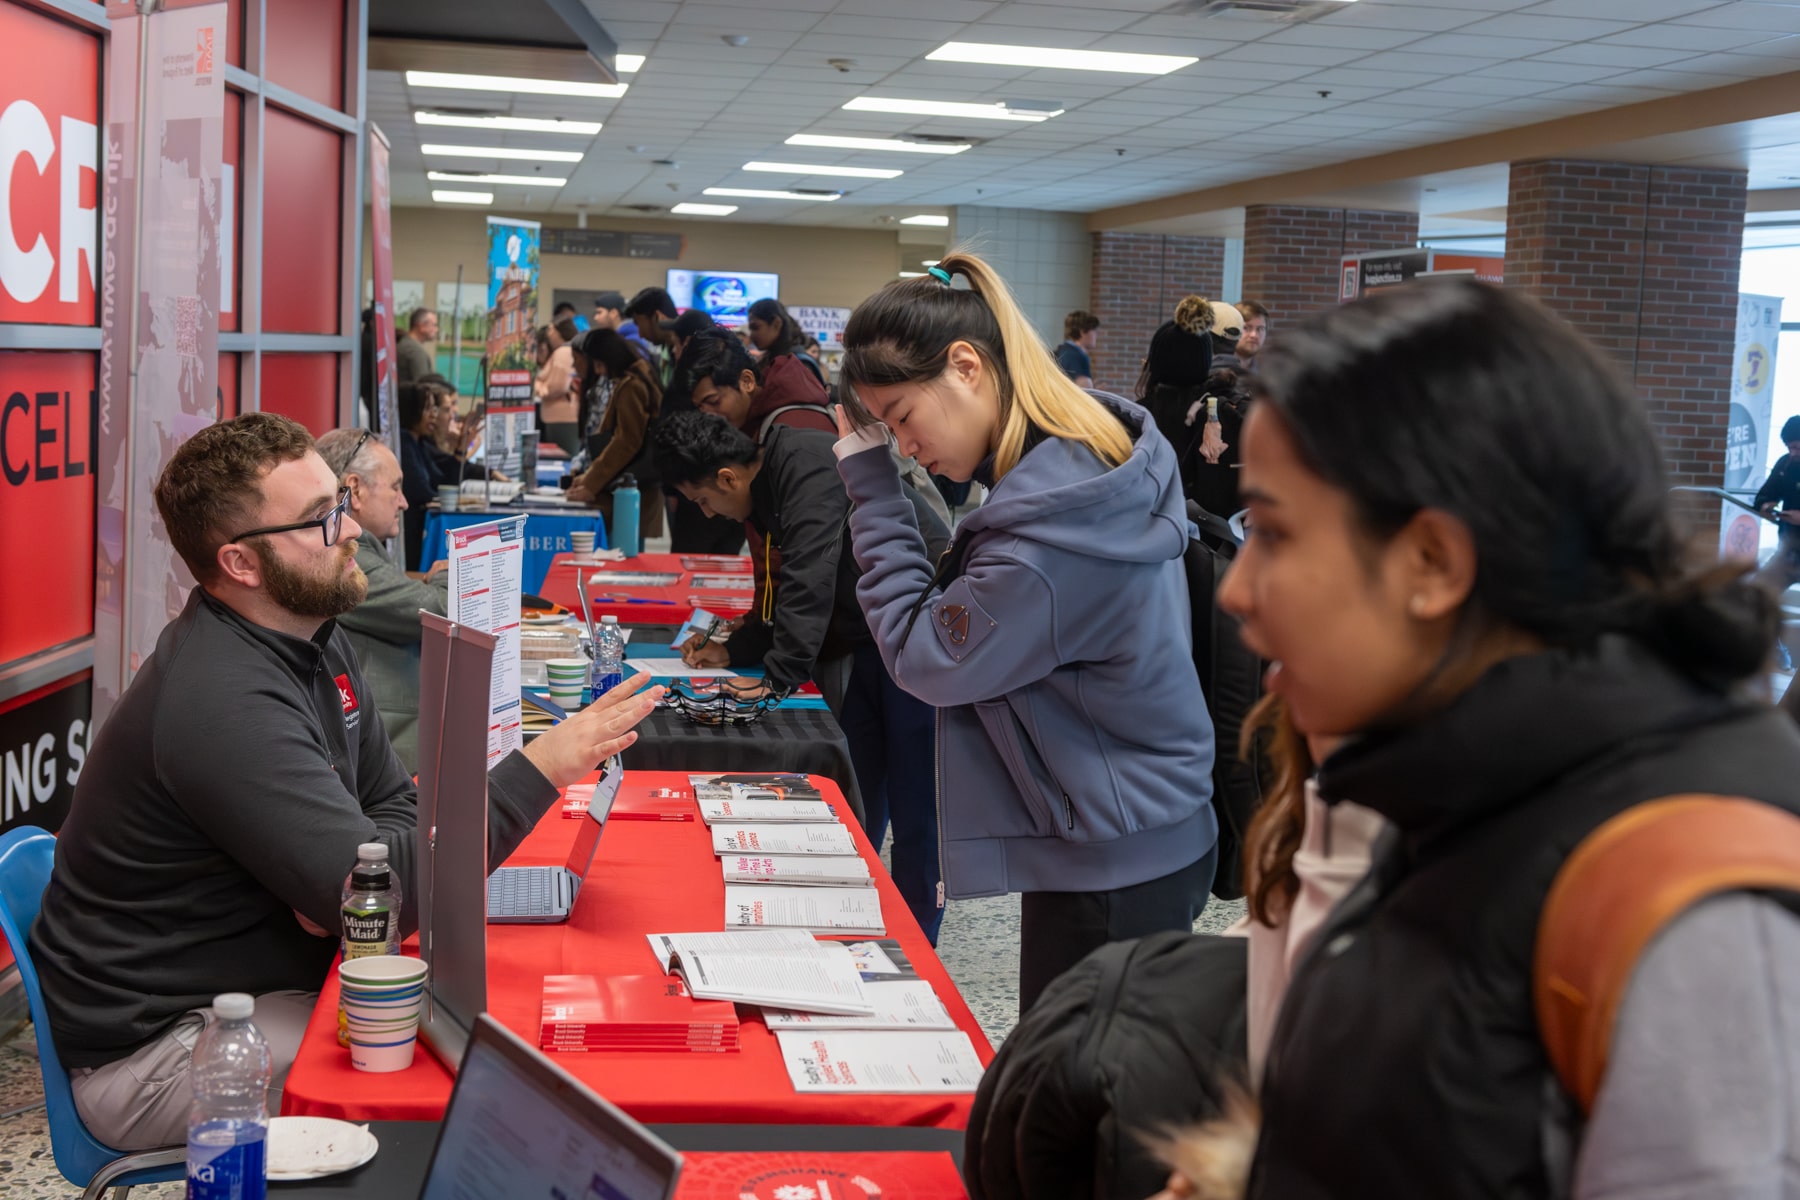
979	945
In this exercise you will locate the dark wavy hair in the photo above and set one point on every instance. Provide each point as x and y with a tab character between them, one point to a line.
1476	401
792	338
693	447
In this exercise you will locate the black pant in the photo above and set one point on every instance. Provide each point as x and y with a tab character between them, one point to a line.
693	532
1059	929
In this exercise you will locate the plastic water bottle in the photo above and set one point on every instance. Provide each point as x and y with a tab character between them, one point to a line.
228	1127
371	913
609	656
371	905
625	516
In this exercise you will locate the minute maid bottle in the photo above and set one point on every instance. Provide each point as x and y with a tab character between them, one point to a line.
228	1127
371	910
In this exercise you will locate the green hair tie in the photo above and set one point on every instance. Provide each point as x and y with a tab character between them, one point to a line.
941	275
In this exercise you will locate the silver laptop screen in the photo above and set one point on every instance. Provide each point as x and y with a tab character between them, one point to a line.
508	1134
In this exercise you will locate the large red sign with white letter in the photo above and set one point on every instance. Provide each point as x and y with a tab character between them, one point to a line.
49	155
47	439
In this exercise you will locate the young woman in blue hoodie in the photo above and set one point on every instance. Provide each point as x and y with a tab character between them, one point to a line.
1074	751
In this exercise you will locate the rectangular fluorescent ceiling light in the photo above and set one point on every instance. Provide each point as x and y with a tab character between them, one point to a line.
833	142
925	219
691	209
563	156
521	124
813	169
513	180
760	194
449	197
626	64
512	83
1069	60
945	108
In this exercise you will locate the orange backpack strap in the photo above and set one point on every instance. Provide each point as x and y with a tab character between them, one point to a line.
1623	885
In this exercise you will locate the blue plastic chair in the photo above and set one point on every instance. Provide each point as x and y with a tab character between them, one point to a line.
25	858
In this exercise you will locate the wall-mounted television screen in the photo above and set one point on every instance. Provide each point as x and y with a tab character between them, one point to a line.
725	296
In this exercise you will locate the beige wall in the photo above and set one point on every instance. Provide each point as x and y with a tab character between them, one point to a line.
817	266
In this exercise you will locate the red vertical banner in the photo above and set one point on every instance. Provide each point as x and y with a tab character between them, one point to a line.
381	258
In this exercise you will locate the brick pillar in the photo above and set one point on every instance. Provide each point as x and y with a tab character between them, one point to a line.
1292	254
1644	262
1138	279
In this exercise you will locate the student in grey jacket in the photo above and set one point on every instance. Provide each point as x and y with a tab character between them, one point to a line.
384	628
1074	750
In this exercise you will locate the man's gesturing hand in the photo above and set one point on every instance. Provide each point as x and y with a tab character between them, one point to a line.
588	738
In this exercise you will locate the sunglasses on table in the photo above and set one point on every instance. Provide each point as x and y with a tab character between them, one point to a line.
328	525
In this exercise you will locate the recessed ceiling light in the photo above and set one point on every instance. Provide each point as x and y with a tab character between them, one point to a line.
691	209
521	124
513	180
928	262
834	142
626	64
912	274
814	169
563	156
945	108
762	194
449	197
510	83
1068	60
926	219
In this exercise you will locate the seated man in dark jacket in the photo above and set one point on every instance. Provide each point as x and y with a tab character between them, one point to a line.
788	490
223	801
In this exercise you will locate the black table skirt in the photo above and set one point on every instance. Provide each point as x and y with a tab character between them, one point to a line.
802	740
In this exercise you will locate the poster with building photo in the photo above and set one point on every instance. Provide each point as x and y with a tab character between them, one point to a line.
512	280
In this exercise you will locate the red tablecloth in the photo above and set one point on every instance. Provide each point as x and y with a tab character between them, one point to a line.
647	606
649	877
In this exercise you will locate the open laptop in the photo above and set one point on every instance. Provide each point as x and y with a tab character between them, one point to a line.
546	895
519	1125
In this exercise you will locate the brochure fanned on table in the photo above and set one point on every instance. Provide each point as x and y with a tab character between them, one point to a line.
902	1005
797	870
764	810
794	973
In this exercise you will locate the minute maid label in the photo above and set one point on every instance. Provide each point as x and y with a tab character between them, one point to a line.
366	933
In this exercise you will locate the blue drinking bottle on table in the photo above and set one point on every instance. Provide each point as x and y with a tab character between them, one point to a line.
625	516
228	1127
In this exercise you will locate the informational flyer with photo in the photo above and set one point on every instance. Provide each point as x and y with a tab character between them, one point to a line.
486	584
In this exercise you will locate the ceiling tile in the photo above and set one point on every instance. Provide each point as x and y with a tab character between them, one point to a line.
1775	18
1671	36
1468	43
1549	72
1636	10
1559	30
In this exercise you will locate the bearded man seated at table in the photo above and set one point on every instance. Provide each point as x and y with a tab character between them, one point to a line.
223	799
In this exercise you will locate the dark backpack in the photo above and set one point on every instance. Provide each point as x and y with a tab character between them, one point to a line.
1231	680
1135	1038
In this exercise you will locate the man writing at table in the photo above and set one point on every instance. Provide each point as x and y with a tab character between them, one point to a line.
223	800
789	492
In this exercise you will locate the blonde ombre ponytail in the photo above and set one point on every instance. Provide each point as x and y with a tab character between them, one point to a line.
904	332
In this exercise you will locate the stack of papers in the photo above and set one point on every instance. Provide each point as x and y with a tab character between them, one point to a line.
633	1012
783	968
783	839
762	808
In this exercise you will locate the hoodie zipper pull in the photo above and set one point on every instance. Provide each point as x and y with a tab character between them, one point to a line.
1069	811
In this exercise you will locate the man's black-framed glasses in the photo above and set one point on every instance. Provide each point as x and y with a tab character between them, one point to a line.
328	525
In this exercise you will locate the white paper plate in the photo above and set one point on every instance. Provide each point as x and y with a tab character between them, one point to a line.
314	1147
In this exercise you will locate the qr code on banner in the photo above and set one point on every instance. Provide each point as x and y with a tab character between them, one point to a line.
187	326
203	51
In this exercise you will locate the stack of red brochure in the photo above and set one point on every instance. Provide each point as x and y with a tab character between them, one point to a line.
633	1012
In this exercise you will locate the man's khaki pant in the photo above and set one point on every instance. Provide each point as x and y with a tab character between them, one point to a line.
141	1102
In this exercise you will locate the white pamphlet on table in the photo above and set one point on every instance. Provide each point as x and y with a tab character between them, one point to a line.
859	1061
486	583
715	810
797	870
904	1005
838	910
802	974
782	839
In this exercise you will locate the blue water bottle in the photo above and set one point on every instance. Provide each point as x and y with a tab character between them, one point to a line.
228	1126
609	656
625	516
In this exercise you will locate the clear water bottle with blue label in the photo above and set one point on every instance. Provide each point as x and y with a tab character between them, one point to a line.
625	514
228	1127
609	656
